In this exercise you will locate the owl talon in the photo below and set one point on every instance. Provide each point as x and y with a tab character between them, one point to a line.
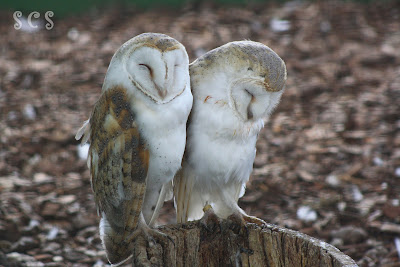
156	236
240	220
207	208
236	222
210	220
253	219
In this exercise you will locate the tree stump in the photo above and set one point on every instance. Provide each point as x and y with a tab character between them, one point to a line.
233	243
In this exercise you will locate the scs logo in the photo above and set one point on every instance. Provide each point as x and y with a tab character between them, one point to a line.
20	22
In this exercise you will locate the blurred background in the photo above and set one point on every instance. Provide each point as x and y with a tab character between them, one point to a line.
328	161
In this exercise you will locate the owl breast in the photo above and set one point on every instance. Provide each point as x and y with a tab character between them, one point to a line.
221	146
165	129
222	162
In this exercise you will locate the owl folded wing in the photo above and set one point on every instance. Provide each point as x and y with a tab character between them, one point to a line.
118	159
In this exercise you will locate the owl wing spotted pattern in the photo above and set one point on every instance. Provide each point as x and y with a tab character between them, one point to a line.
119	162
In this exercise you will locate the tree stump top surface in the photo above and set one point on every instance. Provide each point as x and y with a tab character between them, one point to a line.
231	243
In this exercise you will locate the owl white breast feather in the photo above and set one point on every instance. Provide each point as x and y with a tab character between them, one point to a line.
235	88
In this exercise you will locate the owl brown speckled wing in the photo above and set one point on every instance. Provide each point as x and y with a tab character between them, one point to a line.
118	161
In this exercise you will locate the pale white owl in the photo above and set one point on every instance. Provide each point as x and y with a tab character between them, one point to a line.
235	89
137	135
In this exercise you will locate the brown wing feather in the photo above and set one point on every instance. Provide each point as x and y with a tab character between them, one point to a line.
119	162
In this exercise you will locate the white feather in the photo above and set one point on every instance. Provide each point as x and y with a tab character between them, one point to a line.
84	131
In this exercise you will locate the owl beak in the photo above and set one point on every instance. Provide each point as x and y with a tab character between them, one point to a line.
161	92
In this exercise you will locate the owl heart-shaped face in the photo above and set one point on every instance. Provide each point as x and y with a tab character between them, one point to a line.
161	75
251	98
152	64
247	75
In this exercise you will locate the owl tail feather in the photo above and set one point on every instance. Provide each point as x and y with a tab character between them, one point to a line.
187	205
117	244
84	131
180	197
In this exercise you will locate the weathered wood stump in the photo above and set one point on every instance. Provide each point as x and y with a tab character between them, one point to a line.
231	243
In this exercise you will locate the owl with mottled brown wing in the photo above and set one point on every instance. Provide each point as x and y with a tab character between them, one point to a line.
235	89
137	134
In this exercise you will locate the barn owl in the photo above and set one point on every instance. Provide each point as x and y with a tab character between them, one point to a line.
137	135
235	89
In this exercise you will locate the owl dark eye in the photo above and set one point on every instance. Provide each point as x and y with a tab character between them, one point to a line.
148	68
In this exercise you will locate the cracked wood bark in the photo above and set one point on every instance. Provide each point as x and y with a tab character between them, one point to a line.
227	243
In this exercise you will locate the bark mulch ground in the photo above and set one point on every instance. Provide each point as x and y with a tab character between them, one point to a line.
328	161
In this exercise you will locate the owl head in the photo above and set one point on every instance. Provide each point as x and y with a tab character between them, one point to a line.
153	63
248	75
